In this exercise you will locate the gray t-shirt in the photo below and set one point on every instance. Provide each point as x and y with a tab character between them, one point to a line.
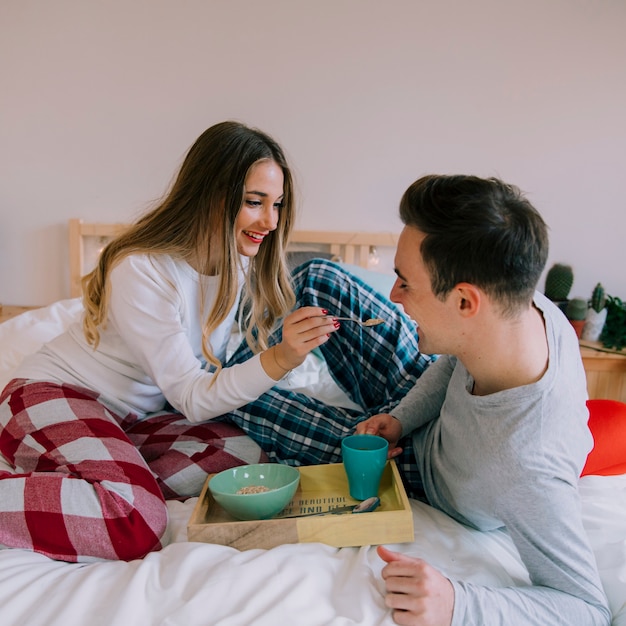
513	459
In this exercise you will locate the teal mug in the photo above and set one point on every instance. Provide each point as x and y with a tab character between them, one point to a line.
364	458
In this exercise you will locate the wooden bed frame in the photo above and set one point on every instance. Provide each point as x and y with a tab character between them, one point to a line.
350	247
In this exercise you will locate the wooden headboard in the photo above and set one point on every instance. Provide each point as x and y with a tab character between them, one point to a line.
350	247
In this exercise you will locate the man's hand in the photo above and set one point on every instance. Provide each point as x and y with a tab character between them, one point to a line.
386	426
418	593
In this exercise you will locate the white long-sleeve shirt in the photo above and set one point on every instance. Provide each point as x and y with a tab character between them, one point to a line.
150	350
513	459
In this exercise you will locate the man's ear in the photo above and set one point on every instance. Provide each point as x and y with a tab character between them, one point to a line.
468	298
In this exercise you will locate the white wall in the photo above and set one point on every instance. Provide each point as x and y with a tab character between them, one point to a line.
100	101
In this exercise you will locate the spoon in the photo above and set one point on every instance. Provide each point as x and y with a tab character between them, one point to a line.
362	507
371	322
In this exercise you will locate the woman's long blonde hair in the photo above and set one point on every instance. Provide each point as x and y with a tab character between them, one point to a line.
203	202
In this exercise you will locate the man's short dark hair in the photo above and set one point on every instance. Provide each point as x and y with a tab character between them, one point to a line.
481	231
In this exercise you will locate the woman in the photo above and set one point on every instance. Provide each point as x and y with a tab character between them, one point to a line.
119	413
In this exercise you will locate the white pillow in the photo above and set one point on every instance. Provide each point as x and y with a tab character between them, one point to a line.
377	280
27	332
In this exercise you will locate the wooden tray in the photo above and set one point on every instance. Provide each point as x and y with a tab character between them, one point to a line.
321	488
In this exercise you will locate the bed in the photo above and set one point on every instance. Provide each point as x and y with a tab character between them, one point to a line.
303	584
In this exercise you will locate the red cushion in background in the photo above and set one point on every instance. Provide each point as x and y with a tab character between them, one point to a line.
607	422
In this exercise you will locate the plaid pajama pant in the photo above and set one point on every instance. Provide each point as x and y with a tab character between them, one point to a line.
90	483
374	366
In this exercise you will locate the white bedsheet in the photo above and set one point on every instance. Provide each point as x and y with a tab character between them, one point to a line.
301	584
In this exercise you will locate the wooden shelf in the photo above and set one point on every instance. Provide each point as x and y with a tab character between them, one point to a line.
606	371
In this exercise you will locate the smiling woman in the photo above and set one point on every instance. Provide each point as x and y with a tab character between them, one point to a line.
263	197
146	384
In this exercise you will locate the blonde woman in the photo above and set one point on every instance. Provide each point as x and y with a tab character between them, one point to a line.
138	402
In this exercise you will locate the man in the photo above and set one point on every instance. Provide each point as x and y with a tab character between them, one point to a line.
499	421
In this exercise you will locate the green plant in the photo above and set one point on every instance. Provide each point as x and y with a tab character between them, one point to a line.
576	309
598	298
614	331
559	281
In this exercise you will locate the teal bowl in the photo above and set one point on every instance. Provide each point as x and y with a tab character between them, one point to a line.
280	480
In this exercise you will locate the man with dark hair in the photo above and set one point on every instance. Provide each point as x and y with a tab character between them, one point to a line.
498	424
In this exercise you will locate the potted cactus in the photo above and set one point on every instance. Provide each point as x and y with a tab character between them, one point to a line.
576	311
596	314
559	281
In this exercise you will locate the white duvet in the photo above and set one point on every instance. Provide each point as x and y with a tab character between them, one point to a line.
191	584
